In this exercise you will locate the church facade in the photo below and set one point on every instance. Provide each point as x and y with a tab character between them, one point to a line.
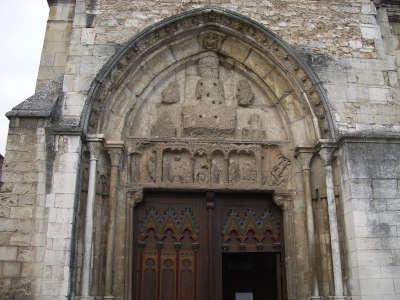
194	150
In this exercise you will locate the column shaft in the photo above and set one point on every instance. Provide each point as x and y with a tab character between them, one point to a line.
305	155
334	232
114	174
326	155
310	231
88	235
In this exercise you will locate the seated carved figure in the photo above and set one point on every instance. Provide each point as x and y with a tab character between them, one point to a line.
210	115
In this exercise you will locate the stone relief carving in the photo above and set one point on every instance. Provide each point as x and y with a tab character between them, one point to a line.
254	130
201	168
244	93
210	115
177	166
207	164
278	168
171	93
211	40
242	167
218	168
164	126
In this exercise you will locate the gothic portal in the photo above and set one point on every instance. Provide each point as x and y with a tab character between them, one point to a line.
212	134
178	151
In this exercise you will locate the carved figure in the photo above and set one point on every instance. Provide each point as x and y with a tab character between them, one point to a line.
279	170
211	116
242	168
177	168
211	40
218	167
201	170
244	93
202	174
151	166
171	93
234	171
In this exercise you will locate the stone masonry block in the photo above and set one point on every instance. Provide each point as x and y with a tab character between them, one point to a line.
18	239
8	253
377	286
361	188
21	212
11	269
369	32
384	188
64	201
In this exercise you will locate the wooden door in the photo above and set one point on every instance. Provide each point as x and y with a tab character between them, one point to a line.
180	239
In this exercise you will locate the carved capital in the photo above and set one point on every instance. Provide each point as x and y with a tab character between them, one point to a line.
114	150
135	197
283	200
304	156
95	144
326	151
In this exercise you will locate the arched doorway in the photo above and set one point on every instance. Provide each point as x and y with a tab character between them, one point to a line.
209	103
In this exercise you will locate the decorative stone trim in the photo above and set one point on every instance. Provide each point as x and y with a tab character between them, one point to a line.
220	22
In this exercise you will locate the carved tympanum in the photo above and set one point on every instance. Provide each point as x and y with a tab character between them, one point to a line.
164	126
210	116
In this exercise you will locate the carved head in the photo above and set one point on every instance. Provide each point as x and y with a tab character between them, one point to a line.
209	66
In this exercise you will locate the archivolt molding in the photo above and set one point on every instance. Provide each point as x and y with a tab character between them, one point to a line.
221	23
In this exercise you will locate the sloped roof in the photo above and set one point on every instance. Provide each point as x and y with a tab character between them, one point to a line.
40	105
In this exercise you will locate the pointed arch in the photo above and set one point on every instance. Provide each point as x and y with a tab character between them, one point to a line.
273	52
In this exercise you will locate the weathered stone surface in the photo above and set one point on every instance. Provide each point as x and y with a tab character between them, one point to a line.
209	101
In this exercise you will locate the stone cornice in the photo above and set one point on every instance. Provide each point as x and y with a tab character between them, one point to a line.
55	2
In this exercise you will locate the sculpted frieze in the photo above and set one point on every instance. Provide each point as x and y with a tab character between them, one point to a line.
207	164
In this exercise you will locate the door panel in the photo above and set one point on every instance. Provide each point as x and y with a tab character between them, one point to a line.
181	238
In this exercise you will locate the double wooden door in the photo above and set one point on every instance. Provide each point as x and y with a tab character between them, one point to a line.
185	245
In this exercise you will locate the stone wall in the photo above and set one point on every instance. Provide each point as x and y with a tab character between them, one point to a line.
371	204
22	210
56	44
345	41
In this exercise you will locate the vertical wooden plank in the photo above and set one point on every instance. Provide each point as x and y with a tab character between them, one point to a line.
158	285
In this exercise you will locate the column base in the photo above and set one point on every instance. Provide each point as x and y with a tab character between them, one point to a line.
339	298
316	298
108	297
